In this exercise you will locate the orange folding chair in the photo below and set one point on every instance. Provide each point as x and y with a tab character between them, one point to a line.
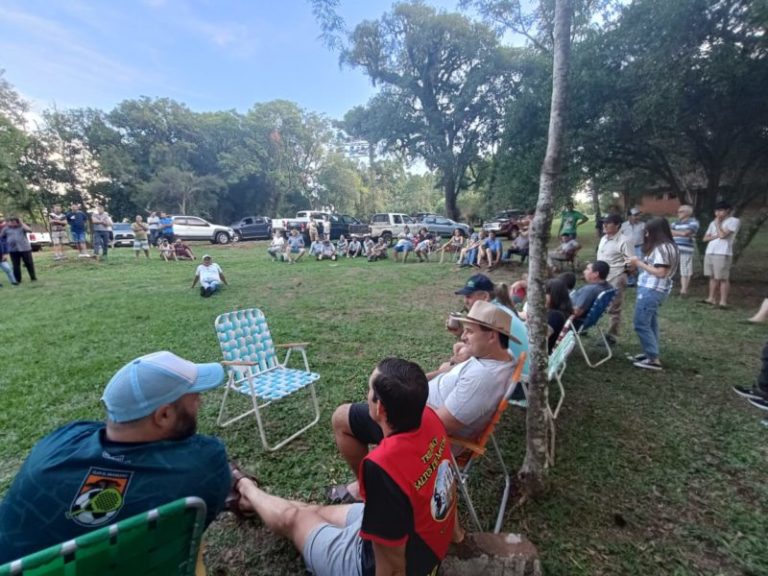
473	450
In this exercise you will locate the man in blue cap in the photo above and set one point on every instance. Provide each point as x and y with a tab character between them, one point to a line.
86	475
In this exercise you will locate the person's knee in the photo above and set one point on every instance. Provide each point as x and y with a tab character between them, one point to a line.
340	420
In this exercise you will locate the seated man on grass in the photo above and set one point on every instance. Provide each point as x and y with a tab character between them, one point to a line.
145	455
210	276
406	523
583	298
464	395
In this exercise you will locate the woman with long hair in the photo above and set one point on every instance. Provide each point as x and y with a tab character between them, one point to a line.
660	258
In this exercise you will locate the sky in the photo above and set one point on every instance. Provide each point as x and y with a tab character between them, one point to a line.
208	54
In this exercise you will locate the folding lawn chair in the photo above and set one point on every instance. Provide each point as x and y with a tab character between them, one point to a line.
162	542
556	366
591	320
462	463
254	370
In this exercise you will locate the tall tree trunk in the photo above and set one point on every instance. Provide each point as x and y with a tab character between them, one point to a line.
449	188
532	472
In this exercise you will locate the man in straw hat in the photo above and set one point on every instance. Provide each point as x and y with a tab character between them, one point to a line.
87	475
464	396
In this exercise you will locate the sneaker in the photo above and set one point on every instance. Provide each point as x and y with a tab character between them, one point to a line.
636	357
749	393
761	403
764	422
202	291
649	365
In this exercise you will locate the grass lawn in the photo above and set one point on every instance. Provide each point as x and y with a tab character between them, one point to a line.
657	473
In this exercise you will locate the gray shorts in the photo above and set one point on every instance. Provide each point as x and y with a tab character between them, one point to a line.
717	266
334	551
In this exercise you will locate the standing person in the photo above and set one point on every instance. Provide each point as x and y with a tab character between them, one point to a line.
77	220
295	246
657	268
145	455
14	234
57	222
101	224
406	522
717	259
140	231
4	266
312	230
570	220
684	231
166	227
614	250
154	227
634	231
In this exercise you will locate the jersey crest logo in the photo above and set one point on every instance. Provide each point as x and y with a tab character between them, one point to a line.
444	493
100	497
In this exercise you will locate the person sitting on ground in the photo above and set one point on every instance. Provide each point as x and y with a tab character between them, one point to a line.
368	245
327	250
295	246
762	315
167	252
277	247
454	245
355	248
595	274
492	249
469	254
403	246
559	309
379	251
210	276
465	396
424	247
183	251
341	245
563	253
145	455
316	248
406	524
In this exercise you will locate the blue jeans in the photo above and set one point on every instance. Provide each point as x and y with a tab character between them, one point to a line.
646	320
5	267
632	279
101	242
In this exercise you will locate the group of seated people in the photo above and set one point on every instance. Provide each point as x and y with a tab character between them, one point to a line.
397	514
177	250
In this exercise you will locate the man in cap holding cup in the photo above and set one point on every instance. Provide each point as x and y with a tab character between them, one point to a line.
86	475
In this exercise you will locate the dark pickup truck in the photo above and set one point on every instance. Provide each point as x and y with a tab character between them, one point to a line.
252	227
347	225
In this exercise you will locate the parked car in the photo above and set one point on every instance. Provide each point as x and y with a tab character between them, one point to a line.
252	227
122	235
505	223
194	228
442	226
339	223
38	239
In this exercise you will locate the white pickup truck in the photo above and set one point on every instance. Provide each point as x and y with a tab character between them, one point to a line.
389	225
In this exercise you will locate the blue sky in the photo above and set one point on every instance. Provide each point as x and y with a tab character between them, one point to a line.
208	54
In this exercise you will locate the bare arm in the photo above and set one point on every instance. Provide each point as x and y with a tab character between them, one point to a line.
390	560
197	277
223	279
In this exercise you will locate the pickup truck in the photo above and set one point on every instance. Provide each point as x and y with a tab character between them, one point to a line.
252	227
339	223
38	239
389	225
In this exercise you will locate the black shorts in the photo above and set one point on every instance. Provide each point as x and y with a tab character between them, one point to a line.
363	427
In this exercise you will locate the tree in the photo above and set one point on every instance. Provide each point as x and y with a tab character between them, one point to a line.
535	462
444	80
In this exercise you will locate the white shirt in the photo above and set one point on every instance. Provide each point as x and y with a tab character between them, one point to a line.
723	246
210	273
635	233
614	251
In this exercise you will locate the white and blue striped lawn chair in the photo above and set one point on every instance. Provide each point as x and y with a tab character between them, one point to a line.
253	368
556	365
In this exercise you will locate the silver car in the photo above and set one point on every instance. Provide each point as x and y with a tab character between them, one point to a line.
442	226
194	228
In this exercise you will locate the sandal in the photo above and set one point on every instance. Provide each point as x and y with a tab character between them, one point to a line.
232	503
338	494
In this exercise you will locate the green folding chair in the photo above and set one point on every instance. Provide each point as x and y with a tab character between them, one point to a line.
162	542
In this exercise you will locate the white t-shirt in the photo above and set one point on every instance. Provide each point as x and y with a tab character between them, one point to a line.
471	392
210	273
723	246
635	233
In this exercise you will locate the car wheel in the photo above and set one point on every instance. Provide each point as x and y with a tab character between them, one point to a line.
36	248
221	238
238	237
387	238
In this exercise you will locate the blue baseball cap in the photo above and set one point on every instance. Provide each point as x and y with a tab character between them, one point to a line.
476	283
146	383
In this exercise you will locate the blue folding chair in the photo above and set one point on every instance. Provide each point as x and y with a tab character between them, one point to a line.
592	319
254	370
